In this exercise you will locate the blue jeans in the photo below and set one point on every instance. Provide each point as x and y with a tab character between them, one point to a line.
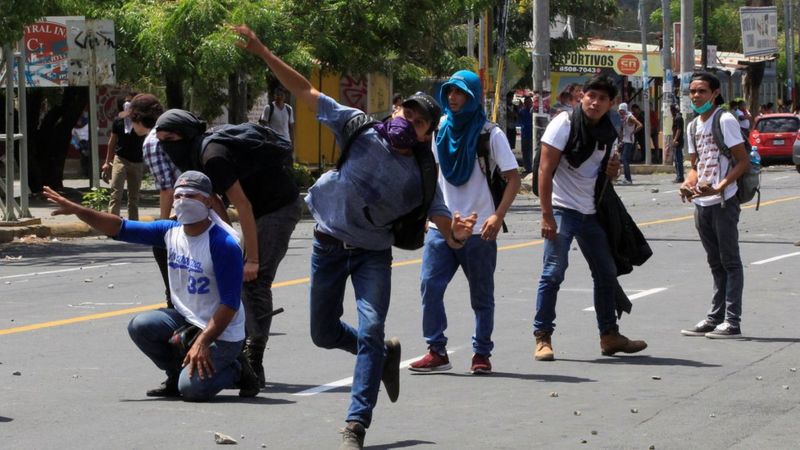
371	275
478	258
627	155
594	246
719	233
150	331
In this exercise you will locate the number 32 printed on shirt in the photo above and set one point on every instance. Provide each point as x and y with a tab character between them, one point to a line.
198	285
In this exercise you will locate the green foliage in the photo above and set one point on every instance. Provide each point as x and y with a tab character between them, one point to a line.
97	198
302	176
17	14
723	22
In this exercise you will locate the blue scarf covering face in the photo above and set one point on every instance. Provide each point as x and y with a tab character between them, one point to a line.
457	140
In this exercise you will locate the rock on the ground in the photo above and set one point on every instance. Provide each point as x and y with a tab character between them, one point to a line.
223	439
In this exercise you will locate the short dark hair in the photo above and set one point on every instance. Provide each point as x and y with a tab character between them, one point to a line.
120	104
145	109
710	78
601	83
397	98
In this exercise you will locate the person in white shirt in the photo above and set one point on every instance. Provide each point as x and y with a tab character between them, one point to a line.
279	115
630	126
711	186
463	132
205	280
576	148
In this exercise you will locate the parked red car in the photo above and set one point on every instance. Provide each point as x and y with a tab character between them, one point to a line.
775	136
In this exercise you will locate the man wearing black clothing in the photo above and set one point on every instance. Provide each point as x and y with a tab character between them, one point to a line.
677	142
261	188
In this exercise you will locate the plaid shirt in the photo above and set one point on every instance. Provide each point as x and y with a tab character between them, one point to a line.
163	169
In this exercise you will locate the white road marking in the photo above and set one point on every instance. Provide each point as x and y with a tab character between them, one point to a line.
49	272
349	380
779	178
765	261
637	295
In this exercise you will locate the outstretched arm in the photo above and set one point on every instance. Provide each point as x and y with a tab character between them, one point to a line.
105	223
297	84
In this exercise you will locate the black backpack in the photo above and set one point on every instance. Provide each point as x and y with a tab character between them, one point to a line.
494	178
262	145
409	229
749	184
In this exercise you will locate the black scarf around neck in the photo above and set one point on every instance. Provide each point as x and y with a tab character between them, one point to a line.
588	137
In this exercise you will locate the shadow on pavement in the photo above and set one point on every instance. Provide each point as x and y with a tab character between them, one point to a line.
642	360
770	339
260	400
9	419
400	444
518	376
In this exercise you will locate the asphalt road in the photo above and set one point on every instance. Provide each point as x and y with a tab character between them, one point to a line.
73	378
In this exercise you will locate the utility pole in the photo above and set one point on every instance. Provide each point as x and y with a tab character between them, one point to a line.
471	36
541	63
704	42
687	55
666	88
645	88
789	51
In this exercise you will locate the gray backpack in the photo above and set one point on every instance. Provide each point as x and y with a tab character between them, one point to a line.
749	184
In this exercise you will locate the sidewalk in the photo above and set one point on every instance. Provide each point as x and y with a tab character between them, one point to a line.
42	224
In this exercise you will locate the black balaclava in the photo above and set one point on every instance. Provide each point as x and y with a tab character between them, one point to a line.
185	153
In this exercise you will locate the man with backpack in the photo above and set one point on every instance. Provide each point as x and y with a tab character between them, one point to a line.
576	148
249	165
719	159
385	175
468	149
279	116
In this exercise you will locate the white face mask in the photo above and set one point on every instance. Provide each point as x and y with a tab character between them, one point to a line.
190	210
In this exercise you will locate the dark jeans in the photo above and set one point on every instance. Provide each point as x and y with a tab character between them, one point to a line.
594	246
627	156
719	233
274	231
678	157
527	153
371	275
150	331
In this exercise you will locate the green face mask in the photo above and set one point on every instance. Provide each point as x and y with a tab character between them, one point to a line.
702	109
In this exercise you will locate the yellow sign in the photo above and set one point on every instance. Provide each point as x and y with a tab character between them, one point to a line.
622	63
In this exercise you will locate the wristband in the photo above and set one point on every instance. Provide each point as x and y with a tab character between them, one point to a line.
453	238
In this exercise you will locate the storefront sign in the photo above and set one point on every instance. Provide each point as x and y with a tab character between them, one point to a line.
759	31
623	63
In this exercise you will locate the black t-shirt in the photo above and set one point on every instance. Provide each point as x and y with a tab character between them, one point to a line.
268	185
129	145
677	124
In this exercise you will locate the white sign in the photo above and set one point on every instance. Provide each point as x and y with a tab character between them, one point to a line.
85	37
759	30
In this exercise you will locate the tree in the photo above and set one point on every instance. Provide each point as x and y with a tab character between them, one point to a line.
17	14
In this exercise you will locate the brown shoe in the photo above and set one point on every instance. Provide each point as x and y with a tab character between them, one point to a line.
613	342
544	346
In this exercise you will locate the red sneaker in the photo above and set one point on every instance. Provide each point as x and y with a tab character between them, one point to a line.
480	365
432	362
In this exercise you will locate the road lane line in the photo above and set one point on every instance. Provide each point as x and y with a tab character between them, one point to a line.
56	323
638	295
776	258
72	269
307	279
349	380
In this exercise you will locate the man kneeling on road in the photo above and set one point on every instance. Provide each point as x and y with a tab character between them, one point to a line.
205	280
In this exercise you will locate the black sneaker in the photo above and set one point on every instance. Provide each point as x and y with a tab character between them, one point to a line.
725	331
353	436
391	369
168	388
700	329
